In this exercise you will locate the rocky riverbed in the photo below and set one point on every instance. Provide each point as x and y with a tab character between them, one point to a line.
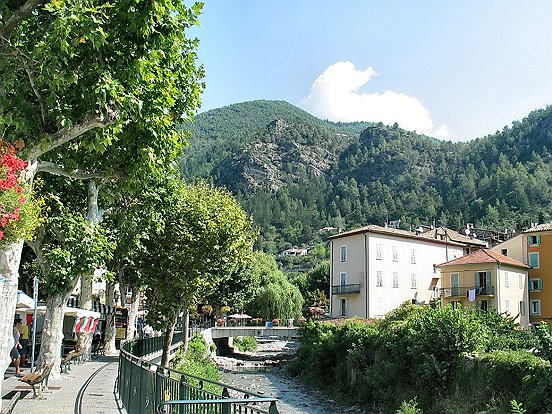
263	371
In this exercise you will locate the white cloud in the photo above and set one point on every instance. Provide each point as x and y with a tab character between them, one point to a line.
334	96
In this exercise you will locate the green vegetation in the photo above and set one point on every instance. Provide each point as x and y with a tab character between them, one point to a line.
197	361
297	174
245	343
444	360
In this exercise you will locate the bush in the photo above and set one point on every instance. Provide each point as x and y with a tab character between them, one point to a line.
420	354
245	343
197	361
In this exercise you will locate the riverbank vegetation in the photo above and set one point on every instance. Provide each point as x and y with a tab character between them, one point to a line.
449	361
196	360
245	343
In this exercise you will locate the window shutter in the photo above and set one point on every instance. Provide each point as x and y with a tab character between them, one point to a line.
538	239
476	279
539	284
488	278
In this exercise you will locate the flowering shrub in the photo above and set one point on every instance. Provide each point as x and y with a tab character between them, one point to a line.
276	322
256	321
19	213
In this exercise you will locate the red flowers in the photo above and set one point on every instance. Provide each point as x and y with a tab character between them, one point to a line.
10	168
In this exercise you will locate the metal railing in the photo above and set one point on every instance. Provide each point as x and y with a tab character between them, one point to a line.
147	388
341	289
463	291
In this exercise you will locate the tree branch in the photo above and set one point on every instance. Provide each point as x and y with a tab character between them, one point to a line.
49	167
19	16
68	134
38	96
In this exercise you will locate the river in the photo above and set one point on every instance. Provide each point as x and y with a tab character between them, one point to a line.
261	372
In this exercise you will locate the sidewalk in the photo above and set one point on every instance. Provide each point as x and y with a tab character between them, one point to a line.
87	389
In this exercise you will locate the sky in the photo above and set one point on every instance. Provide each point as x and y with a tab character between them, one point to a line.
456	70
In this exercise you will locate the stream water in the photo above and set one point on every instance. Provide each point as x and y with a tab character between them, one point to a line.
262	372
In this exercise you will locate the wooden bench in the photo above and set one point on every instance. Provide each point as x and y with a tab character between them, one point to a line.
99	349
73	356
39	378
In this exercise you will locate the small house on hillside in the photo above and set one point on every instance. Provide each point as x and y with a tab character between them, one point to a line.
295	252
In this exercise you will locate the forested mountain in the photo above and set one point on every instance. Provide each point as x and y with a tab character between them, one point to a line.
296	173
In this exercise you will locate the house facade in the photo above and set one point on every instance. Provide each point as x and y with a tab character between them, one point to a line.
486	279
534	248
374	269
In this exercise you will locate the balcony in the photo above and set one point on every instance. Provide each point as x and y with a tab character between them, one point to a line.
344	289
463	291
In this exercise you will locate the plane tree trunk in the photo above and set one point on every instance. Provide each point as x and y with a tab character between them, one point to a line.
52	334
9	278
109	337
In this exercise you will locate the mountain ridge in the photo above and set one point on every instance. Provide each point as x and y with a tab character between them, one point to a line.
296	173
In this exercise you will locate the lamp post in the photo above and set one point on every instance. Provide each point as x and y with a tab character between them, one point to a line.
35	297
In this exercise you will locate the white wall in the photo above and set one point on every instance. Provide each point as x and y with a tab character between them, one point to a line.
386	298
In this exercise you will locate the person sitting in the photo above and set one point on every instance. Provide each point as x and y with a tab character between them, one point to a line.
96	342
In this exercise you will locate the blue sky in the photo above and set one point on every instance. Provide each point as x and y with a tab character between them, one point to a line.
453	69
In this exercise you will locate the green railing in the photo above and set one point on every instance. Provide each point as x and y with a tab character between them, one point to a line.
148	388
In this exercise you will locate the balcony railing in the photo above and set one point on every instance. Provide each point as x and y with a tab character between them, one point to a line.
463	291
344	289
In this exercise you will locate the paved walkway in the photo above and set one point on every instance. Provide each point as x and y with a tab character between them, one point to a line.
87	389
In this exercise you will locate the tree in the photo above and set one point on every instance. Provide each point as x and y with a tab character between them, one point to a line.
67	246
198	236
277	298
94	89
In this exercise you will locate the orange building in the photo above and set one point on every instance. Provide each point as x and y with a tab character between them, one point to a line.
534	247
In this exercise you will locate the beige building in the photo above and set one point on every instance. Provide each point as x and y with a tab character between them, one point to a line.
486	279
374	269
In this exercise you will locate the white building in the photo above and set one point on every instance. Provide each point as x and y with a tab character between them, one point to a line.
374	269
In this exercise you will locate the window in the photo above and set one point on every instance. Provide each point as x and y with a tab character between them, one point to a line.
521	308
379	278
533	240
454	284
378	251
413	281
412	255
534	260
343	307
395	254
535	285
484	305
343	278
521	283
455	304
380	307
507	305
535	307
504	252
395	280
506	279
343	254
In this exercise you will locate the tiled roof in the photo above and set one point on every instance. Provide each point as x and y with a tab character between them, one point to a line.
539	227
484	256
372	228
453	236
